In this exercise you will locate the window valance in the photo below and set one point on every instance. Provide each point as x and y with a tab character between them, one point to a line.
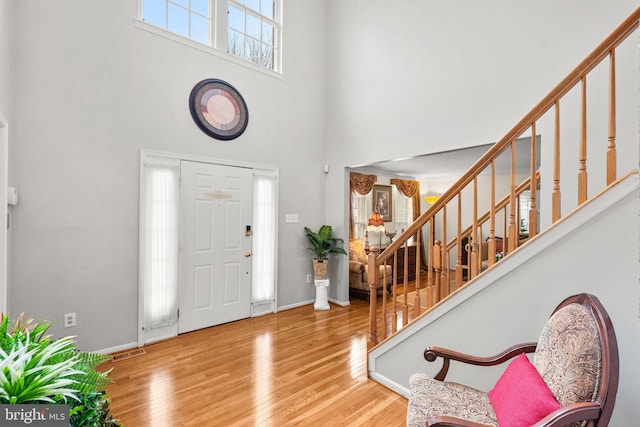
407	187
361	183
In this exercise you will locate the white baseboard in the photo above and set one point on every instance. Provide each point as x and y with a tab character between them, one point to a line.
118	348
340	303
385	381
298	304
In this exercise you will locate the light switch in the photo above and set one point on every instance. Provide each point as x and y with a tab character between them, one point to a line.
291	219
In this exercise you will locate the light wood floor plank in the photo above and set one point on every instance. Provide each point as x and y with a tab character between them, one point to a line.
296	367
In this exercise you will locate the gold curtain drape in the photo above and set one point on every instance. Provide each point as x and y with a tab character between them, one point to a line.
361	184
410	188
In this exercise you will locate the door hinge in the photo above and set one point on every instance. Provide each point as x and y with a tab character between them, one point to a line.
178	314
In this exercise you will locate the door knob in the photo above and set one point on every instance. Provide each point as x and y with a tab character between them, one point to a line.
247	254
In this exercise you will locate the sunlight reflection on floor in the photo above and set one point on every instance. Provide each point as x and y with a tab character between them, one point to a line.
263	367
161	390
357	354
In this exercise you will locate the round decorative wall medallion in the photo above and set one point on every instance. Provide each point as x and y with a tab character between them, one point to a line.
218	109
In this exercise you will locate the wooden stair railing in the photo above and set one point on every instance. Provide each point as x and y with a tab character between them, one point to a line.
475	261
433	222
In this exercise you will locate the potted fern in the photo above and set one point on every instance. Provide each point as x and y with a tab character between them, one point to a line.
35	369
323	244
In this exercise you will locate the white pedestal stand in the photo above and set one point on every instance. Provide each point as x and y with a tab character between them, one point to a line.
322	302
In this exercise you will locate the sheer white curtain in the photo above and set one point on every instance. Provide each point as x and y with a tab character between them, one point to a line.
159	252
361	210
264	238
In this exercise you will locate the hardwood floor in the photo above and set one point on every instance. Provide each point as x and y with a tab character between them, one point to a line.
298	366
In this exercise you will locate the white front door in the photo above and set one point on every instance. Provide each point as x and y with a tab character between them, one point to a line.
215	261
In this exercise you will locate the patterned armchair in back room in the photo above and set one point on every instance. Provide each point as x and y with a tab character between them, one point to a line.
358	271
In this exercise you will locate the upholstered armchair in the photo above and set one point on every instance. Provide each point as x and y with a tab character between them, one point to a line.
573	379
358	271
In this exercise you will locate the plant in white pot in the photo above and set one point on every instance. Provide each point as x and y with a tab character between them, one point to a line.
323	245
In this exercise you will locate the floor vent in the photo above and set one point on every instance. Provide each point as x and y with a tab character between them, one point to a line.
127	355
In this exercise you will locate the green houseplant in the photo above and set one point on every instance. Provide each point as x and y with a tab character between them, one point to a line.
36	369
323	244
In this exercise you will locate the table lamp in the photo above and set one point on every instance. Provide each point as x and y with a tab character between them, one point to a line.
376	223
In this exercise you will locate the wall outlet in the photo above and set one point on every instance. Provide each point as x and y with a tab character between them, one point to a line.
308	278
69	320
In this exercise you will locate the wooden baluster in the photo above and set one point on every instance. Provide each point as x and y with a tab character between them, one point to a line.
556	197
385	292
416	304
431	300
473	242
505	215
405	288
518	217
512	236
533	186
444	267
447	261
394	296
492	217
373	319
611	151
582	170
459	244
437	266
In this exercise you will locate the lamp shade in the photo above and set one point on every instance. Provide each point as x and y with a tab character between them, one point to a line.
431	199
376	223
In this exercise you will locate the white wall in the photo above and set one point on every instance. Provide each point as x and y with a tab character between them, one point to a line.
410	78
514	308
6	112
6	56
94	90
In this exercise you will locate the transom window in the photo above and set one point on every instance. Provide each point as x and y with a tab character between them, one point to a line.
252	31
247	29
189	18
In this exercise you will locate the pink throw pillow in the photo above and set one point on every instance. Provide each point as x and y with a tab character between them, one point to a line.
521	397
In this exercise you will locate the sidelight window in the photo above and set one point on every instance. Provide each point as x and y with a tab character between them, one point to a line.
159	245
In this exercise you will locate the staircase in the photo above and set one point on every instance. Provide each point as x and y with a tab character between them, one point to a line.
474	220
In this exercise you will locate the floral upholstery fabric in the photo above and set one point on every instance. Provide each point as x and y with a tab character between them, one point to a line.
356	251
431	397
358	268
569	357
